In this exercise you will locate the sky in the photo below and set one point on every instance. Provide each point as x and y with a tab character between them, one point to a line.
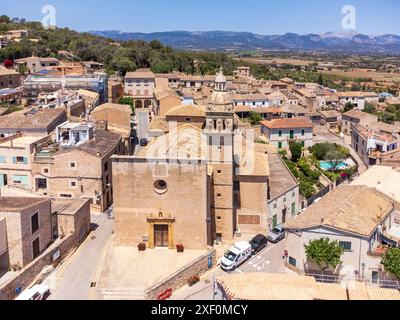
373	17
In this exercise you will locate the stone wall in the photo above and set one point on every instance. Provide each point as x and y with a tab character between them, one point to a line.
28	274
180	278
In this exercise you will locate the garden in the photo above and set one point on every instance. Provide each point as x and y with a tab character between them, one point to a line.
306	166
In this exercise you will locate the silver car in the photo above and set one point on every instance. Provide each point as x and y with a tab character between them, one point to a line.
276	234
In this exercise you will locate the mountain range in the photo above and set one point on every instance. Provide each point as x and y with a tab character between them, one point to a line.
228	40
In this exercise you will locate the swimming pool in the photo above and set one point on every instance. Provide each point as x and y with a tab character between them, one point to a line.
327	166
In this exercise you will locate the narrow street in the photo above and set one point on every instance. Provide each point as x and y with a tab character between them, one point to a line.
269	260
72	279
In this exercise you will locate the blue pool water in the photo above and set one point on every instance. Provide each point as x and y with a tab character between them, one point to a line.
326	165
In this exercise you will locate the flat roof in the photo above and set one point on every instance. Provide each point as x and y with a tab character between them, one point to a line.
382	178
14	204
20	142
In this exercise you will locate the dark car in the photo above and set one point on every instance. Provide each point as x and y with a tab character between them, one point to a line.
143	142
258	243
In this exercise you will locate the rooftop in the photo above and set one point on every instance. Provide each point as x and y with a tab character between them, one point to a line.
100	145
140	74
68	206
39	119
362	116
187	111
280	178
287	123
15	204
270	286
382	178
19	142
355	209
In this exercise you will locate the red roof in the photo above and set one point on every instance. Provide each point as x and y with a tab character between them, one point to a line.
287	123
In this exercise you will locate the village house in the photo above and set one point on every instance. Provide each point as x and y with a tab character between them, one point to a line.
164	100
28	229
358	217
332	119
354	117
117	118
373	140
140	85
77	164
9	78
357	98
35	64
279	132
115	90
38	123
284	193
16	160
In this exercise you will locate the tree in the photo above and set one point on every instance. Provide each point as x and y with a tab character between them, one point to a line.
320	80
391	261
349	106
255	118
334	157
324	253
296	150
127	100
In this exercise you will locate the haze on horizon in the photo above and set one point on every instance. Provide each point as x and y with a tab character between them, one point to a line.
266	17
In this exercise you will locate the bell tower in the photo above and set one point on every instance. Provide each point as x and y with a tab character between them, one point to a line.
219	130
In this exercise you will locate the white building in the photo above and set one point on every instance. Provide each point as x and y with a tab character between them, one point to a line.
358	218
280	132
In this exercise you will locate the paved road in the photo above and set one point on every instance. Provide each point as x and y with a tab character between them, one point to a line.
269	260
71	281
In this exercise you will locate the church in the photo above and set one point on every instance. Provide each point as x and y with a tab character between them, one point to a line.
196	184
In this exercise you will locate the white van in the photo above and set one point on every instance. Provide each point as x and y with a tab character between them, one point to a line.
235	256
38	292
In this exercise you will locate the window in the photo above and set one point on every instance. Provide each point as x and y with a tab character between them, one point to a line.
219	195
345	245
291	134
105	166
303	132
72	165
45	170
219	218
292	261
279	145
2	159
219	171
303	144
73	184
188	119
35	222
63	195
293	208
280	133
23	160
160	186
24	180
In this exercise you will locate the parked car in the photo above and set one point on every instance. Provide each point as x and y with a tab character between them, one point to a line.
235	256
277	234
258	243
143	142
37	292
